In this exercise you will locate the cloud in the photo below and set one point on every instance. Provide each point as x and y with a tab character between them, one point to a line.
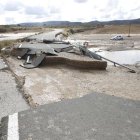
112	4
80	1
136	8
12	6
17	11
54	10
10	20
36	10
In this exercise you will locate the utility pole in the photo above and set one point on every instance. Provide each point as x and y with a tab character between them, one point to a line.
129	29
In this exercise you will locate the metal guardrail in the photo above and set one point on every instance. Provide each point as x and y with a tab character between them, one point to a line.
85	51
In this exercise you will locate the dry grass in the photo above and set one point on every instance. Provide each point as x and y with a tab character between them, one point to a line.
116	29
18	29
7	43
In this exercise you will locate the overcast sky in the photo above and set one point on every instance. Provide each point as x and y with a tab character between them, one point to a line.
18	11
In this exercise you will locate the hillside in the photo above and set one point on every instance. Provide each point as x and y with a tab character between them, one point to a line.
91	23
115	29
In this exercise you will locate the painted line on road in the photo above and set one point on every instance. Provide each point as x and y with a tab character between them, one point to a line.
13	130
20	45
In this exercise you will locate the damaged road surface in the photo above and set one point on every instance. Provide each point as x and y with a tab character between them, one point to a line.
66	73
35	62
55	53
39	82
11	99
34	49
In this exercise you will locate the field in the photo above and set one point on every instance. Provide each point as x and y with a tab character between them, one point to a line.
115	29
7	43
18	29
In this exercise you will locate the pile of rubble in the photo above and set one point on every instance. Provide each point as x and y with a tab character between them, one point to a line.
34	53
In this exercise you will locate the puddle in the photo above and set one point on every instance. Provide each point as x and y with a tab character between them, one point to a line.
2	36
123	57
12	36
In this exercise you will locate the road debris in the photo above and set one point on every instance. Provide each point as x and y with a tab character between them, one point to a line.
3	65
35	62
99	57
55	51
34	56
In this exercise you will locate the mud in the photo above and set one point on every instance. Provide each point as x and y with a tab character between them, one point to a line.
54	83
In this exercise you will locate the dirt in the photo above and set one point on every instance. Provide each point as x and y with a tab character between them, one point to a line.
115	29
75	60
52	83
48	84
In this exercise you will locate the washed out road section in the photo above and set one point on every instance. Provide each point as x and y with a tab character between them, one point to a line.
47	84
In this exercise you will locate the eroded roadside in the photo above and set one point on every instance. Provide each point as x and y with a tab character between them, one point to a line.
20	81
11	99
12	96
55	83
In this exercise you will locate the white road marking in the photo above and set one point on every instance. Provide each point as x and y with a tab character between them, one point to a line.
13	130
20	45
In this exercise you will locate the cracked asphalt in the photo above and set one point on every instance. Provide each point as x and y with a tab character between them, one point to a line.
11	99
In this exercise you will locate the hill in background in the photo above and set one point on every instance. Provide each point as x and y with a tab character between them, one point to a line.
91	23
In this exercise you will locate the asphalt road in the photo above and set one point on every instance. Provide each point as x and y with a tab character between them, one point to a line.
92	117
11	99
47	35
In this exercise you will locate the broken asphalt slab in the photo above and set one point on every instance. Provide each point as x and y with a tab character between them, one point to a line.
36	62
47	36
94	116
34	48
71	59
3	65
